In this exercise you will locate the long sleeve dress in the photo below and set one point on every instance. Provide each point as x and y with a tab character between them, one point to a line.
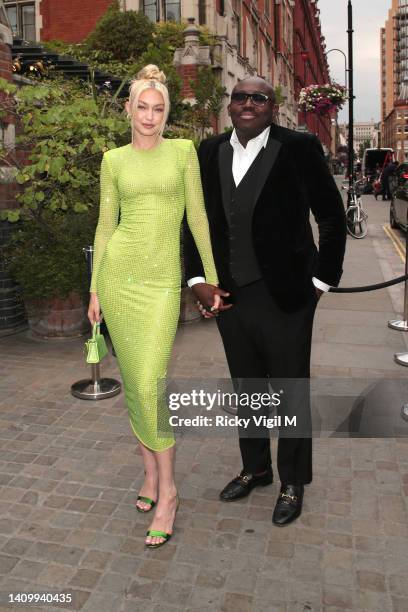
137	270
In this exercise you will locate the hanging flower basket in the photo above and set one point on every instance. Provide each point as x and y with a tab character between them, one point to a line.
322	99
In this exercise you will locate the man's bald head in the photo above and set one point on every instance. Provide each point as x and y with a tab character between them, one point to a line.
258	84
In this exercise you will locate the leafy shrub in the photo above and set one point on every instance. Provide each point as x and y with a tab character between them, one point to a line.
66	130
121	33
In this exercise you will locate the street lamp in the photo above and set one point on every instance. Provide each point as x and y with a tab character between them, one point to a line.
350	87
351	93
345	63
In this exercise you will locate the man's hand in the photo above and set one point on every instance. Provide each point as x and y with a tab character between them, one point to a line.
209	299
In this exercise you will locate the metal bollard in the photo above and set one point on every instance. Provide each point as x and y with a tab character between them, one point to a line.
398	324
94	388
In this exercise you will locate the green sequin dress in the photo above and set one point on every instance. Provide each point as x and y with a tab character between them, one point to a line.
137	270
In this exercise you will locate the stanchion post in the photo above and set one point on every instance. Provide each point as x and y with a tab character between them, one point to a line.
398	324
94	388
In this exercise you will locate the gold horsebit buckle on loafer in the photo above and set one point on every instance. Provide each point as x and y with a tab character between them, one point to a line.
244	478
292	498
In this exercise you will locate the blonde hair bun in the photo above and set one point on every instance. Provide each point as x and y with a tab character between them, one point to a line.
151	73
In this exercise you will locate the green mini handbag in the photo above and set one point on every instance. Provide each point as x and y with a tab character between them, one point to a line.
95	348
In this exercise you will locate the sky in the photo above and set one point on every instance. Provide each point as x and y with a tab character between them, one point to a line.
368	17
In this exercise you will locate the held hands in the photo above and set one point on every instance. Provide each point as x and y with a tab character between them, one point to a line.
209	299
94	309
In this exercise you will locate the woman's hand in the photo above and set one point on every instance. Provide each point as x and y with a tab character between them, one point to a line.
94	309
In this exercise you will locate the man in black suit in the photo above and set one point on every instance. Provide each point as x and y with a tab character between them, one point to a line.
260	183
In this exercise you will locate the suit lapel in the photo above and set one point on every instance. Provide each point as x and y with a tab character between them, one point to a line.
268	160
225	152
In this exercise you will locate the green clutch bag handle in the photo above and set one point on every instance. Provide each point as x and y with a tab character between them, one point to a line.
95	348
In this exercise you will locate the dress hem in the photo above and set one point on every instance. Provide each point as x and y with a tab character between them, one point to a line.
146	445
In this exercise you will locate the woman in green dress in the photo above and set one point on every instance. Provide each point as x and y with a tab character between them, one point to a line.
145	188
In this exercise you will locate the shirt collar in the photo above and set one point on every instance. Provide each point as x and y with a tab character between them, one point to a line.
261	140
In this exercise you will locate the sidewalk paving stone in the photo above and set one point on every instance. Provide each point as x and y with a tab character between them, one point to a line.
70	472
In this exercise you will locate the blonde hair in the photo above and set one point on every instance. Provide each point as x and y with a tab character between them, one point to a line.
149	77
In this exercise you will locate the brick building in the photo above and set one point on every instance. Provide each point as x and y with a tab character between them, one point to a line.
251	39
266	38
310	64
53	19
283	57
12	316
7	124
394	80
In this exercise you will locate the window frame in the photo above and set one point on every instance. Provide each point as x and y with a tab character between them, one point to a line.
19	5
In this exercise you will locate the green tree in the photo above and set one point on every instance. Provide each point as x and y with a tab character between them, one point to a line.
169	33
123	34
209	96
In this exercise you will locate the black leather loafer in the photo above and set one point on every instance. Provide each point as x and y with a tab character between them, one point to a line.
242	485
289	504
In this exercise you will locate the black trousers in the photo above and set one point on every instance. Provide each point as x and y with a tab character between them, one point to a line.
261	341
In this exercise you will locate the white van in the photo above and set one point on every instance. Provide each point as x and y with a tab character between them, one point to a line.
372	157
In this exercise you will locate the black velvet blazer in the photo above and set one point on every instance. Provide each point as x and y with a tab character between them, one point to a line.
293	180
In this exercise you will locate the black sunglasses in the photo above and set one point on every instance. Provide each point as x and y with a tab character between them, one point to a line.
259	99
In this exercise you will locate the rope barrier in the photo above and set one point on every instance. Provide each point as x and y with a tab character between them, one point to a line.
389	283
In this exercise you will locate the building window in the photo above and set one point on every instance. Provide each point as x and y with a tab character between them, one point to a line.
21	16
172	11
399	129
266	8
399	115
237	23
157	10
151	9
201	12
220	7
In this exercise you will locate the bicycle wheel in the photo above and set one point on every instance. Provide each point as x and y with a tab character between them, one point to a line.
356	220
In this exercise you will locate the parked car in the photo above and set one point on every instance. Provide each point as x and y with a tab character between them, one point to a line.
399	197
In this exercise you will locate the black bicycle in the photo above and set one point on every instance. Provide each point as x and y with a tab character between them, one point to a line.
356	216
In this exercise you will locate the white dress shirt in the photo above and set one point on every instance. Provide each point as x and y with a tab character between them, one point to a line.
242	159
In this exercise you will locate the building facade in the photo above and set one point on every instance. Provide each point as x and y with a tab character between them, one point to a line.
266	37
310	64
284	62
394	80
364	132
12	315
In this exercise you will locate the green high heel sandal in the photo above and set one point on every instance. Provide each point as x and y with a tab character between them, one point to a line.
146	500
161	534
